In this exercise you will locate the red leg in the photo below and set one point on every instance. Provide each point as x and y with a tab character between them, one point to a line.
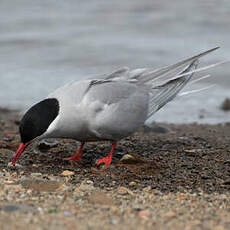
76	157
108	159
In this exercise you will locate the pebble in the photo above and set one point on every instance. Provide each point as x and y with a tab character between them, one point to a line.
170	215
86	187
47	144
147	189
132	183
66	213
3	144
226	182
227	162
123	191
205	176
19	207
226	105
155	128
9	208
192	152
157	192
10	182
114	220
36	174
6	152
131	159
14	166
67	173
144	214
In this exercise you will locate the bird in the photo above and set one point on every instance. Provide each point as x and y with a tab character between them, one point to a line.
109	108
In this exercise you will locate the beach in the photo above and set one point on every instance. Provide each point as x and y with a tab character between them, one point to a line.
172	175
175	177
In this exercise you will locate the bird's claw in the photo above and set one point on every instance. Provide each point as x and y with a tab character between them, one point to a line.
73	158
105	160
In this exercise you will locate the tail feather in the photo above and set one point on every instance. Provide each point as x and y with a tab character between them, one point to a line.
199	79
161	95
195	90
201	69
159	73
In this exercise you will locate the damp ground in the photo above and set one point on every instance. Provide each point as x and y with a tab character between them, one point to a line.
176	177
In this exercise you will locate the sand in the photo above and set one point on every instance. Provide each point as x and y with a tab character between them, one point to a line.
178	179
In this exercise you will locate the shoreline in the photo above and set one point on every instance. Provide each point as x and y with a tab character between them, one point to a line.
180	179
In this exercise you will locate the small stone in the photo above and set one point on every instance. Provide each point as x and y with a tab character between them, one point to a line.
14	166
156	192
3	144
147	189
66	213
86	187
205	176
67	173
192	152
6	152
62	188
114	220
181	196
77	190
170	215
131	158
40	210
137	207
36	165
226	105
10	182
47	144
227	162
24	208
144	214
123	191
9	208
14	174
132	183
36	174
155	128
226	182
89	182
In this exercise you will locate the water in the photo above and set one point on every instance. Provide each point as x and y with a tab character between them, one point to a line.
45	44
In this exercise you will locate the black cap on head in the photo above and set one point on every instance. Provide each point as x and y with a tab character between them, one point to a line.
38	118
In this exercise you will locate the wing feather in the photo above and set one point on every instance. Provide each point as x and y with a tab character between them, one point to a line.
161	95
146	75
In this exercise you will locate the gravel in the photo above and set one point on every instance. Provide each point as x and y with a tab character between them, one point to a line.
180	179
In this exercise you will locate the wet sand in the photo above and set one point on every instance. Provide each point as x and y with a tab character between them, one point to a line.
176	180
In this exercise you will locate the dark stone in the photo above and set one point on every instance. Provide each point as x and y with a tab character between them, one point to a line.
47	144
226	105
155	129
9	208
18	207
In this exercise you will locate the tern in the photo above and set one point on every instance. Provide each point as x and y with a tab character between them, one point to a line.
108	108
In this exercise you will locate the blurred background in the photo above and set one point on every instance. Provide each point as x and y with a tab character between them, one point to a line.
45	44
